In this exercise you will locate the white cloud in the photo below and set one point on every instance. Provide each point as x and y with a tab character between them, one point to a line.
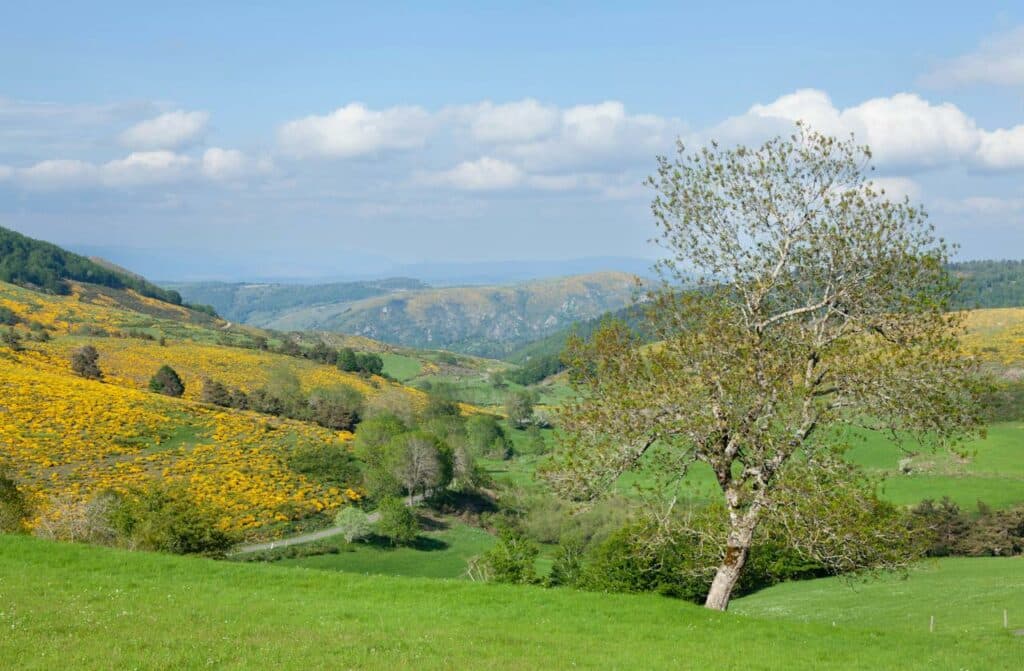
483	174
1002	149
604	134
903	130
5	172
355	130
167	131
998	60
984	205
230	164
145	167
520	121
58	173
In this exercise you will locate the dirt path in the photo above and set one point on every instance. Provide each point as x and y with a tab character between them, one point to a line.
307	537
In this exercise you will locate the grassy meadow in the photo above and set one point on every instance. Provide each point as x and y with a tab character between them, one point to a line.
95	608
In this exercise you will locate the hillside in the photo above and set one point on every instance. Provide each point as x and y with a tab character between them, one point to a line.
66	436
486	321
26	261
95	608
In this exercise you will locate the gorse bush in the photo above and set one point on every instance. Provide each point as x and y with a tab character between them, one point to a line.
950	531
512	559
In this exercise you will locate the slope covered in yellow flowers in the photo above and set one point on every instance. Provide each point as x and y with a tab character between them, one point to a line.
68	437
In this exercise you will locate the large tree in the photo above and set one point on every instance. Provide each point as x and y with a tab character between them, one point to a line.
796	298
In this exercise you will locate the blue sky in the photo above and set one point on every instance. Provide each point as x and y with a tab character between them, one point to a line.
325	140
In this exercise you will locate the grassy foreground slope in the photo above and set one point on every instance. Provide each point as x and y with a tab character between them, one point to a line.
965	595
89	608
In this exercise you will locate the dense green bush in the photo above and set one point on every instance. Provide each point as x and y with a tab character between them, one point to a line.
397	522
339	407
487	437
167	382
512	559
8	317
167	518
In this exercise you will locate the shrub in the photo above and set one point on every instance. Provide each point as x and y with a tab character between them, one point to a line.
370	363
14	509
519	408
346	360
11	339
77	521
397	522
215	393
167	518
486	437
84	362
512	559
337	407
8	317
167	382
353	523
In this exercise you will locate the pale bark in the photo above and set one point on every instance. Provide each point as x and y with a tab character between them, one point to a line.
736	552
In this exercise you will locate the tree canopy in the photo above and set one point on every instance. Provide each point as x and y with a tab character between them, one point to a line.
820	303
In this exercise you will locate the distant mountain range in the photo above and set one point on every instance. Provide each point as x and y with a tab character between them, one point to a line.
483	320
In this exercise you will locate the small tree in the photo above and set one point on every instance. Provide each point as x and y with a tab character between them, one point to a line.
486	437
347	360
84	362
167	382
519	408
819	304
512	559
369	363
353	523
397	522
418	462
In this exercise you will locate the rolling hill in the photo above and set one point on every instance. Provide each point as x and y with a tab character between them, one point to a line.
486	321
67	437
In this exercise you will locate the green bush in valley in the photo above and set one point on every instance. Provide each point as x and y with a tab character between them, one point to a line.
167	382
512	559
397	522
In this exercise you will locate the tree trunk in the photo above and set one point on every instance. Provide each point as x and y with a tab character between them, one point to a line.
736	551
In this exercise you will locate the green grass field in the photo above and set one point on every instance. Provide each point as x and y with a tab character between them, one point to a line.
992	472
966	596
68	606
401	367
438	554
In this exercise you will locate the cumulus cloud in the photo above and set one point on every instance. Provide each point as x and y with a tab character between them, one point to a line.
998	60
898	188
483	174
1002	149
57	173
167	131
355	130
904	131
145	167
230	164
519	121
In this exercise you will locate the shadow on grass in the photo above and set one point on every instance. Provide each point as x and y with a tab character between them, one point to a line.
421	543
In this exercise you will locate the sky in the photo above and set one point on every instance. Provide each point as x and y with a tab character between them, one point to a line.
259	140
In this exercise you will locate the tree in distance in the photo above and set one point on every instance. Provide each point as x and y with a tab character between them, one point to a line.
167	382
84	362
820	303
